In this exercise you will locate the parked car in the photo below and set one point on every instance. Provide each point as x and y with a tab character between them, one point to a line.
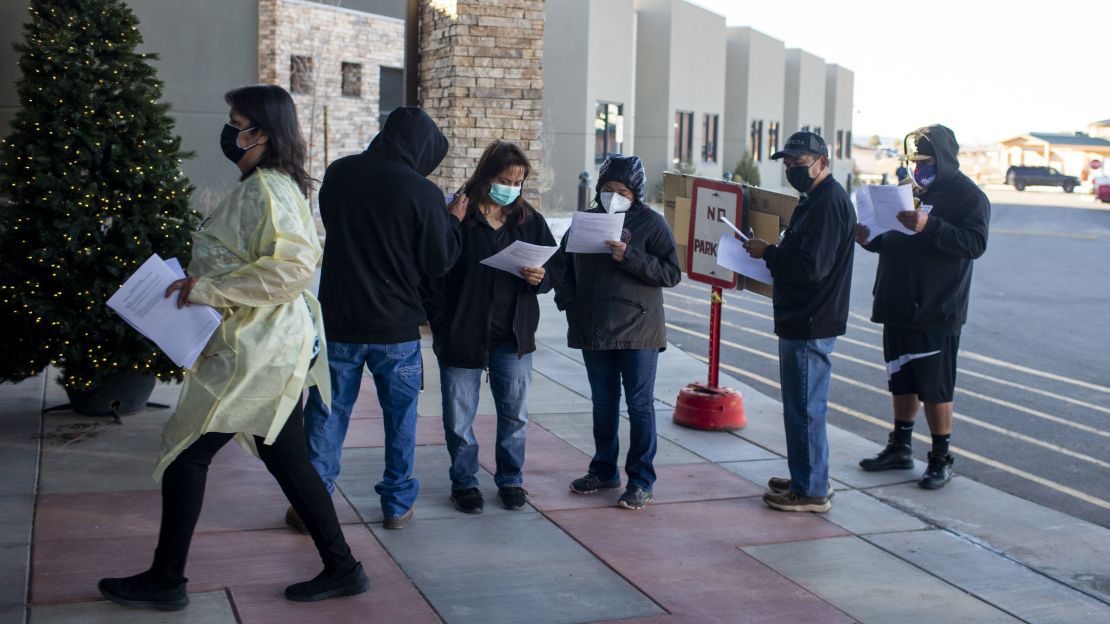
1021	177
1101	187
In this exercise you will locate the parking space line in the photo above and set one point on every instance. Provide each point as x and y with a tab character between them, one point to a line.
983	397
882	392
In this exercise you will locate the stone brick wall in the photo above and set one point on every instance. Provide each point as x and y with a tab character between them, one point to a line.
481	79
330	36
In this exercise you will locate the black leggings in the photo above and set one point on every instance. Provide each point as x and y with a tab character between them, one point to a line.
286	459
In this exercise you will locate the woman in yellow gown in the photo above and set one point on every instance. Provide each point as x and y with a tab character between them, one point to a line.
253	260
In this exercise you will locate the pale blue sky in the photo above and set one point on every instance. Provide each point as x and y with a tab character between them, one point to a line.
988	69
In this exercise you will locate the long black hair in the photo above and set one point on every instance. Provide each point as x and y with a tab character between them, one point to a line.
270	109
499	156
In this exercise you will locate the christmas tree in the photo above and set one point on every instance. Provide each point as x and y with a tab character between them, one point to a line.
90	187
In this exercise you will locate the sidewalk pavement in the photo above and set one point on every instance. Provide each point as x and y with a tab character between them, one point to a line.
77	503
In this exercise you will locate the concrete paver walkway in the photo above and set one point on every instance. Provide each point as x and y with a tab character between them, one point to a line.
77	503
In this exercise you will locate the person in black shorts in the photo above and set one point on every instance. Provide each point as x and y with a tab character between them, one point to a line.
921	290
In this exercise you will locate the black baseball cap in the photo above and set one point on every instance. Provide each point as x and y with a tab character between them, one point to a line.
801	143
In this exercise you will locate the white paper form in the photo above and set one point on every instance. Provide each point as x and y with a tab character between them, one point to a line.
590	230
732	255
519	255
877	207
180	333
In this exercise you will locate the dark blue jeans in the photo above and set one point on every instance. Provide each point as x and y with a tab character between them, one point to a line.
804	371
607	370
398	372
510	378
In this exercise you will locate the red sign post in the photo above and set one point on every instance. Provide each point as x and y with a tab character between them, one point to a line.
707	406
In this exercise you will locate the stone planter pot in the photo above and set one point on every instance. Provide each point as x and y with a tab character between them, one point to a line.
122	392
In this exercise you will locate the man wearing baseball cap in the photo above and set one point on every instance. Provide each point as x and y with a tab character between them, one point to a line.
922	289
811	267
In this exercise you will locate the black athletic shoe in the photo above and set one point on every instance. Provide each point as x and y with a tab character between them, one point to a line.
143	592
894	457
634	498
327	585
939	472
590	484
468	501
513	497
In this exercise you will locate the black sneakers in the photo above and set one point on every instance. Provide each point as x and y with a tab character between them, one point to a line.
634	498
468	501
513	497
894	457
143	591
327	585
939	472
590	484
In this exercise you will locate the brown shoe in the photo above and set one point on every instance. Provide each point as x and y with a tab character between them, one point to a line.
789	501
294	520
779	485
394	523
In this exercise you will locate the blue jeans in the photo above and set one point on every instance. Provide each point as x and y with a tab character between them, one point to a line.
398	373
606	371
804	370
510	378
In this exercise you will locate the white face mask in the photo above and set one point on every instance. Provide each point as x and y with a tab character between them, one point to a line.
615	202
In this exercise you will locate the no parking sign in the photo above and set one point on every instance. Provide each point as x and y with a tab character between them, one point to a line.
711	200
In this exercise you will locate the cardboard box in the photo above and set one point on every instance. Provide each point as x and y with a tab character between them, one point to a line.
762	208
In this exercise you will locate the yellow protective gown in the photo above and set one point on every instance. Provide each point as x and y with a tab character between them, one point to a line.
255	257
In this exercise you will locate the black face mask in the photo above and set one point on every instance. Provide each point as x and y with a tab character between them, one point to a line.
229	143
798	177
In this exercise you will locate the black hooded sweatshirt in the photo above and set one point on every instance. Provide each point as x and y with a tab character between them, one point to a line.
388	230
812	266
924	281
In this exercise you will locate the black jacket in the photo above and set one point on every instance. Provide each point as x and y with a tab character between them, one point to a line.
388	229
924	281
812	266
460	303
612	305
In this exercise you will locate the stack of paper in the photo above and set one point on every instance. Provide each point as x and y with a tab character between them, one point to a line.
590	230
877	207
519	255
181	333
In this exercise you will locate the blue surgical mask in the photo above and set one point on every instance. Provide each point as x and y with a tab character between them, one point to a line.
925	173
503	195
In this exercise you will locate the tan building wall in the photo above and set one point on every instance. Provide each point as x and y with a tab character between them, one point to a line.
330	36
481	79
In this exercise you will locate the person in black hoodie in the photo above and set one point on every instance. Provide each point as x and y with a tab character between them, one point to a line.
388	230
614	306
812	272
922	289
486	318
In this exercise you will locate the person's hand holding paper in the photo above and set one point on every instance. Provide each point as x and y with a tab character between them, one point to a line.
589	231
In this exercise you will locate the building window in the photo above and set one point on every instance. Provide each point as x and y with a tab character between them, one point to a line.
391	92
683	137
709	125
848	144
840	144
300	74
608	130
755	140
352	79
772	138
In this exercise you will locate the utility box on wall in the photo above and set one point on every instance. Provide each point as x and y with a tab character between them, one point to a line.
767	214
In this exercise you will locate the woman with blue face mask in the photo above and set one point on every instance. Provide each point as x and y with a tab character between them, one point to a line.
485	319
